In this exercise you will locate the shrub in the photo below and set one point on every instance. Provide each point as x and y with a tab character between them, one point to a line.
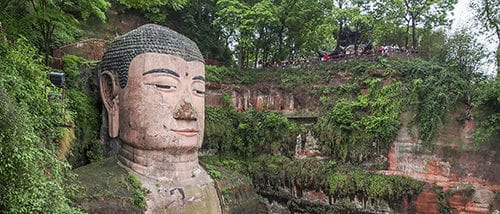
32	179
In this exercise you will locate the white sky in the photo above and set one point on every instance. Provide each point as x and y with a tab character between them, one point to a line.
463	17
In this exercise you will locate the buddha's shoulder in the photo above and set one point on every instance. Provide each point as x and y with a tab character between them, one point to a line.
107	187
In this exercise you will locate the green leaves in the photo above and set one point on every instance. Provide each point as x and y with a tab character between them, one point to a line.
247	134
435	90
349	128
271	173
146	4
32	179
355	182
47	23
487	103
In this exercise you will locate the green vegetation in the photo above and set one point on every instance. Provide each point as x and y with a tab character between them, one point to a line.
354	129
48	24
33	179
352	125
355	182
488	115
82	108
249	133
487	14
360	102
138	197
272	173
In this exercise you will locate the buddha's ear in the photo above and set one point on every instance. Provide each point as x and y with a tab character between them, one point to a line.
109	94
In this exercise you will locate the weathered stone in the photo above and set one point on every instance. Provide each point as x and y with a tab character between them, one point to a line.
257	97
106	188
90	49
152	86
449	166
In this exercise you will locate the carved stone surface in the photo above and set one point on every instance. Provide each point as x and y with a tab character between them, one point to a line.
152	86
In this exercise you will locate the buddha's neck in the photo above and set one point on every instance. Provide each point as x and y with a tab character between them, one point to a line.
159	164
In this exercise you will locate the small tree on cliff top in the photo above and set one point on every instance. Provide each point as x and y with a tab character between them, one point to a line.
45	22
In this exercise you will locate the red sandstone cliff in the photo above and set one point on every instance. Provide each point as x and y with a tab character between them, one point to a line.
468	174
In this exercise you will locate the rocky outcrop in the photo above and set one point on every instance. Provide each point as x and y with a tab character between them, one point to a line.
246	97
307	145
466	174
91	49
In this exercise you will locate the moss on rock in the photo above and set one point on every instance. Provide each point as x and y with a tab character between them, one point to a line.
108	188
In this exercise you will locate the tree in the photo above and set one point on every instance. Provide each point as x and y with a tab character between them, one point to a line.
232	16
145	4
197	20
274	30
488	14
465	52
487	102
412	13
45	21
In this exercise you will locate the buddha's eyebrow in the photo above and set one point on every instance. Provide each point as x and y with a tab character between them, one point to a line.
161	70
199	78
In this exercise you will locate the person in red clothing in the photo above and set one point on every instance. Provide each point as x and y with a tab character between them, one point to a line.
325	57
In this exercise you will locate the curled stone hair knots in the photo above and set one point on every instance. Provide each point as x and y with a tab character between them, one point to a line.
149	38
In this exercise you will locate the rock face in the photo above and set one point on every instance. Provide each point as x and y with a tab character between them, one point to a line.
465	176
468	175
91	49
307	145
107	189
256	96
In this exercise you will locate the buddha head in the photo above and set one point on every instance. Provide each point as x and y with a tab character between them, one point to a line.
153	85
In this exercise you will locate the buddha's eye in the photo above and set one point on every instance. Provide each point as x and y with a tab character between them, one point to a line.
199	91
164	86
198	88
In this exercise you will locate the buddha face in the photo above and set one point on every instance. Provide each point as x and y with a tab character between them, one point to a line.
162	107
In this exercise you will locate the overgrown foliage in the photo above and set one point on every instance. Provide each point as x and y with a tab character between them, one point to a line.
357	183
434	89
49	23
360	114
32	178
354	130
487	102
271	174
82	107
247	134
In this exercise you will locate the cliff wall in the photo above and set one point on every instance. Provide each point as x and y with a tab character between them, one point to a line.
461	177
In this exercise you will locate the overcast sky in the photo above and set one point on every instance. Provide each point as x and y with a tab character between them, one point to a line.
463	17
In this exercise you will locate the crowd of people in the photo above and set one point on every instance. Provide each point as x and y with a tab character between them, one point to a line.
384	50
395	48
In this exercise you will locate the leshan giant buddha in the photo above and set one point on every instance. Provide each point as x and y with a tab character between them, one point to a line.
152	85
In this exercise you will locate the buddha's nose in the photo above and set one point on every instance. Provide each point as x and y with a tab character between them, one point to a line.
185	111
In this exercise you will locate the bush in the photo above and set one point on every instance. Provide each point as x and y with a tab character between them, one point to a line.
32	179
82	105
248	133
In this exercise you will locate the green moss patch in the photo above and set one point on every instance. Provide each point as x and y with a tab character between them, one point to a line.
107	184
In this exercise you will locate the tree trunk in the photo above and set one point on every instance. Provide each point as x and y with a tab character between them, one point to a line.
341	26
256	57
338	35
407	33
413	32
498	60
240	58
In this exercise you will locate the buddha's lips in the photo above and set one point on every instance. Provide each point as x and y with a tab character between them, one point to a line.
186	132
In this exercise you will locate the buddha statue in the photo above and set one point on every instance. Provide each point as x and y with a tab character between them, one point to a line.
152	84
